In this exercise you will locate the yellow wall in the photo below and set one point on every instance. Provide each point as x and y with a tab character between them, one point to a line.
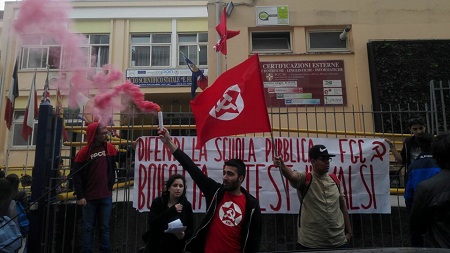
192	25
92	26
369	19
153	25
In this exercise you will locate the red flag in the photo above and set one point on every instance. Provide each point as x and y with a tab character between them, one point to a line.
234	104
31	112
224	34
11	99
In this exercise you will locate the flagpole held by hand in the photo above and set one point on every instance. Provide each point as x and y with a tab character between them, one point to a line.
160	120
279	167
164	136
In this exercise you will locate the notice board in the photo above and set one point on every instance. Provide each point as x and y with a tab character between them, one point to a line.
318	83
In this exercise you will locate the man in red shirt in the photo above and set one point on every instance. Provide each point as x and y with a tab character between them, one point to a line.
93	178
233	217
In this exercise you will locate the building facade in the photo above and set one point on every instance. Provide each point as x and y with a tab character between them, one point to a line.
146	40
314	54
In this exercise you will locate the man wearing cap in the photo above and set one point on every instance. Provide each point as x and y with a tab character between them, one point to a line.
232	223
324	220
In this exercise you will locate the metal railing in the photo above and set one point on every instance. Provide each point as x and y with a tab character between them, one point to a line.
279	230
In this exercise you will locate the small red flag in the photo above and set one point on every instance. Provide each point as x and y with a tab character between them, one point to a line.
234	104
224	34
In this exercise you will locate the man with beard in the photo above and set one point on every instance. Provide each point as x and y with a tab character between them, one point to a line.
93	177
324	220
410	150
233	216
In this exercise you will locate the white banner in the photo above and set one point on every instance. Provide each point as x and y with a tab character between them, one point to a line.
362	166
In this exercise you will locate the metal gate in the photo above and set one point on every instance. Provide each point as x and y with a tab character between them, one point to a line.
60	219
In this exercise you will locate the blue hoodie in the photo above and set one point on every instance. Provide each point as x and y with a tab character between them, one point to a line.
421	169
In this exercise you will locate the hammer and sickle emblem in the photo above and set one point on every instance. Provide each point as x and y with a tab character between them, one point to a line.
230	105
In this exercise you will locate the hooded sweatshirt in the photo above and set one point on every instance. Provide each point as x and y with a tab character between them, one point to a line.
88	167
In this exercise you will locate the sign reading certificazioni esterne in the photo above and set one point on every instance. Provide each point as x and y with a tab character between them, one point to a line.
304	83
362	166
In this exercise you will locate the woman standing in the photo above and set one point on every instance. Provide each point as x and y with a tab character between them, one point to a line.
172	205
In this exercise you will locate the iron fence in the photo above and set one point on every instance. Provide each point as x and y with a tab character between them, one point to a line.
63	216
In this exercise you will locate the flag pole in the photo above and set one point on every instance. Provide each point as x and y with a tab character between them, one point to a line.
226	62
28	148
32	129
276	153
5	60
1	90
218	57
182	54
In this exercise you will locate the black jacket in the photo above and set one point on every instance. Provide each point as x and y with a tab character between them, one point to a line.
160	215
430	211
214	192
408	144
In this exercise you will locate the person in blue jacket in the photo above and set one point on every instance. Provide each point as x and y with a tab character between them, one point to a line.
429	216
422	168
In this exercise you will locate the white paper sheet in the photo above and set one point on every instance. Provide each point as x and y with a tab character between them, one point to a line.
175	227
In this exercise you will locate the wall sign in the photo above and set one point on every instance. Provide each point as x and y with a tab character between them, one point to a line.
304	83
161	77
272	15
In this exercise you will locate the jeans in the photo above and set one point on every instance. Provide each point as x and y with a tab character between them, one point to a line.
97	211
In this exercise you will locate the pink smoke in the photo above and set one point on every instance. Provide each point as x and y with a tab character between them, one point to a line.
106	100
113	97
50	18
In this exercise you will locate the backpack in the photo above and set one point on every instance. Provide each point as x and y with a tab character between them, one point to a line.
10	237
22	219
305	189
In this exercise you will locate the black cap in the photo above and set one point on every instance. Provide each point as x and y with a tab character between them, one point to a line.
415	121
319	151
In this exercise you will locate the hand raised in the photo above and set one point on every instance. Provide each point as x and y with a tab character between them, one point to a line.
179	207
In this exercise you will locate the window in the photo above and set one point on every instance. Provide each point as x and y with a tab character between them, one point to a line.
96	50
271	42
150	50
326	40
17	130
194	46
38	51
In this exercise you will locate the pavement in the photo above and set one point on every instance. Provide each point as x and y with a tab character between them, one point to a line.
376	250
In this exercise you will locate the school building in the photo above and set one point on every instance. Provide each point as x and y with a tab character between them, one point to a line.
314	54
318	62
